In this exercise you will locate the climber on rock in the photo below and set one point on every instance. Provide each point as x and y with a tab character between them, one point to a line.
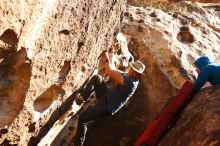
207	71
110	100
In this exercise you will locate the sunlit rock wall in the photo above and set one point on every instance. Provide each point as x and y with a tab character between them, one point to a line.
175	40
47	50
153	3
168	44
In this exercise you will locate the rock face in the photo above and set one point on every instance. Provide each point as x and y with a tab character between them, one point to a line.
199	123
167	2
47	50
168	44
174	39
206	1
124	128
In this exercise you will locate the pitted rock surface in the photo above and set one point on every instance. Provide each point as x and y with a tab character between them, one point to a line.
47	50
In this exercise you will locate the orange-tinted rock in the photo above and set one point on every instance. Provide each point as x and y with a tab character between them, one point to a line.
49	48
61	42
152	37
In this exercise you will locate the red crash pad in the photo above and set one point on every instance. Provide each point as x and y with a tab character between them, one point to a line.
160	124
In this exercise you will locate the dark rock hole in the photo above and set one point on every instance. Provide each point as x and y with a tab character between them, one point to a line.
65	32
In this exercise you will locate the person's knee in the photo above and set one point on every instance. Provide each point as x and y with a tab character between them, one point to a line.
82	118
97	78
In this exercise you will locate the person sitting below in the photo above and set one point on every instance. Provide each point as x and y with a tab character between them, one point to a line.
110	100
207	71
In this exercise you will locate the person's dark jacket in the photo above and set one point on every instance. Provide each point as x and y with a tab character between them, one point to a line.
208	72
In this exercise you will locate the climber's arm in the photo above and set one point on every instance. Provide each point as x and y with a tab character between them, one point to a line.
112	71
201	79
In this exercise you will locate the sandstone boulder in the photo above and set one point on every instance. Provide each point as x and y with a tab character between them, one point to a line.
47	50
199	123
168	44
